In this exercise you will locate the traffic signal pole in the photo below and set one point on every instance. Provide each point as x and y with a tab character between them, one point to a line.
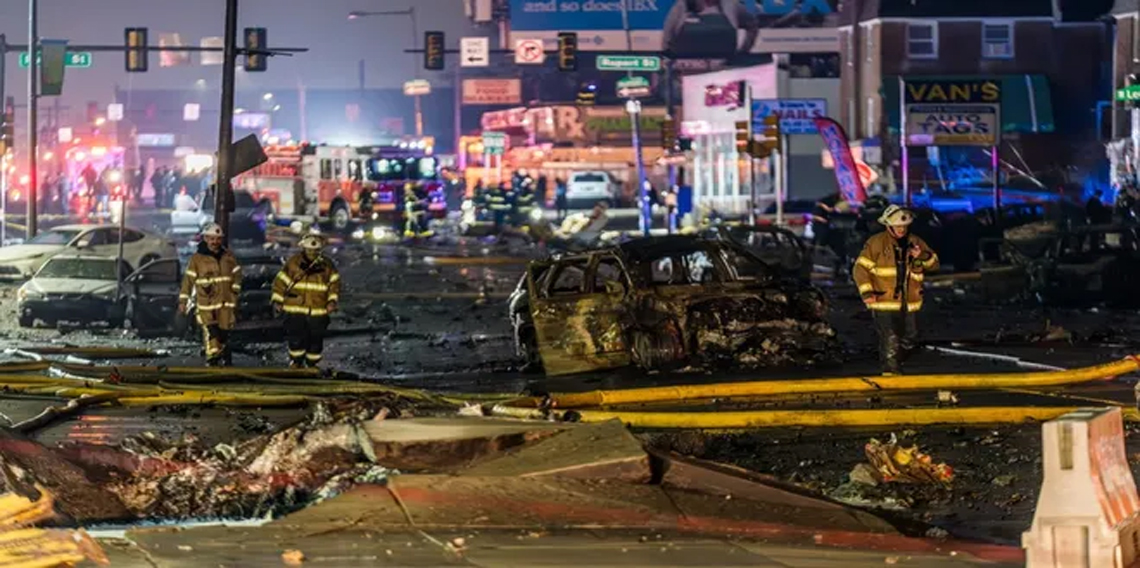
222	189
4	154
33	118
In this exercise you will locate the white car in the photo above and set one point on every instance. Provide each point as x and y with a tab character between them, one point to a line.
190	221
73	287
585	189
20	262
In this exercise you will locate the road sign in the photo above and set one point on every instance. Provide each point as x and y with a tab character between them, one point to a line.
797	116
633	87
475	52
529	52
494	143
417	87
115	112
629	63
73	59
1129	93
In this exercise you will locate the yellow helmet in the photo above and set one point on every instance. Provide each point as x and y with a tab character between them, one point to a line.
895	216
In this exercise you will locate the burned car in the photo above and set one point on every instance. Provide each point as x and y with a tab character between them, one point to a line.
776	246
1068	265
663	302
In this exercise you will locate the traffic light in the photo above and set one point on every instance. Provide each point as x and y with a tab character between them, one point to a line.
588	94
743	136
770	136
137	55
433	51
567	51
8	127
255	41
668	135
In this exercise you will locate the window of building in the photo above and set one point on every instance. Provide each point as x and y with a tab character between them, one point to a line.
922	41
997	40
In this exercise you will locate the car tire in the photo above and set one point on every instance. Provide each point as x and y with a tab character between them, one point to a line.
655	350
27	321
339	215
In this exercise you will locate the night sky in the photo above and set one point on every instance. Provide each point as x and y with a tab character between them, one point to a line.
336	44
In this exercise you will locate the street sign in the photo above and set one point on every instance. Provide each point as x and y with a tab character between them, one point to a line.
529	52
494	143
797	116
191	112
73	59
1129	93
647	63
633	87
952	112
417	87
475	52
115	112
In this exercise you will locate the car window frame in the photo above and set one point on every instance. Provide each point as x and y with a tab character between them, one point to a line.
555	272
623	274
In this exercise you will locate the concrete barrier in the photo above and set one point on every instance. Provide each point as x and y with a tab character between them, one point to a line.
1088	512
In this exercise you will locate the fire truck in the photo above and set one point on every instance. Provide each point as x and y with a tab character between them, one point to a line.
339	183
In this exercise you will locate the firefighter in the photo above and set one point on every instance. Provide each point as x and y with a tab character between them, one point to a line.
415	212
306	291
213	277
889	273
498	201
524	204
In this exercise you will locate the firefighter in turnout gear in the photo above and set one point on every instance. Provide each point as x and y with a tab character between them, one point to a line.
213	279
415	212
889	273
499	203
307	290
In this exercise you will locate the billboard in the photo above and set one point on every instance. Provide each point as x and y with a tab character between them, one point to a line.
797	116
712	103
686	28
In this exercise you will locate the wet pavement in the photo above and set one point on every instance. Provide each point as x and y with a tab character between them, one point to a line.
423	317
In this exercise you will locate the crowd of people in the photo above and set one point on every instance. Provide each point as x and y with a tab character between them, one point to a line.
89	193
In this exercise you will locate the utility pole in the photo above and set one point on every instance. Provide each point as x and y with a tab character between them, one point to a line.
4	154
633	107
222	191
33	122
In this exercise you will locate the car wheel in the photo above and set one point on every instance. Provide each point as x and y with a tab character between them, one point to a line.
339	216
27	321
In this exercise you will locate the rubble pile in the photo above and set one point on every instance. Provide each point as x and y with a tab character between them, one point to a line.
764	330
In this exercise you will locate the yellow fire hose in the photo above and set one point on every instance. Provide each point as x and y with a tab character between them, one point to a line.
808	418
850	384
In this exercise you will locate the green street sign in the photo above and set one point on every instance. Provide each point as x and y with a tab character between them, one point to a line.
494	143
632	82
1130	93
647	63
74	59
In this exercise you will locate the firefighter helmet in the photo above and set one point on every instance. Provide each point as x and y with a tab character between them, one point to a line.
312	242
212	230
896	216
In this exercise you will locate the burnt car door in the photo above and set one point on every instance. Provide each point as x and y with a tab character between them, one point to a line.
152	293
576	307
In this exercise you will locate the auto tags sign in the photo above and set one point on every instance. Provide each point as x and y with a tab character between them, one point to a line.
952	112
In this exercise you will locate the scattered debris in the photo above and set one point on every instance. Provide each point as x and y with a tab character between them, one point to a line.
293	557
894	463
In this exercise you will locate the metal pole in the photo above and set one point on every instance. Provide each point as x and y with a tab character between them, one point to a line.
33	123
222	191
416	67
122	229
4	155
669	114
459	113
753	200
634	108
905	161
996	172
782	190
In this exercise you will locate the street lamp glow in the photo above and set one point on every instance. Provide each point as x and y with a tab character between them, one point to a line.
267	96
276	108
100	121
239	110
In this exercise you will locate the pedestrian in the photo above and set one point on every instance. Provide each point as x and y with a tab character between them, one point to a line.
158	185
561	200
307	291
1098	213
213	277
889	273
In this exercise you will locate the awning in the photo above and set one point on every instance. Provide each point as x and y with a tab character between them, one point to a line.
1026	105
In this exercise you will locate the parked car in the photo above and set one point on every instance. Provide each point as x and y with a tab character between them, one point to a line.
584	189
80	288
658	302
780	248
248	213
139	248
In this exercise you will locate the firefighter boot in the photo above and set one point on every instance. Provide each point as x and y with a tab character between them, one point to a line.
889	344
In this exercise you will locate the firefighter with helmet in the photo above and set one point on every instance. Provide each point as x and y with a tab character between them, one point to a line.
415	212
213	279
307	291
889	273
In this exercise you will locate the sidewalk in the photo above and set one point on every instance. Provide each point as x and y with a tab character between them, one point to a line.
263	546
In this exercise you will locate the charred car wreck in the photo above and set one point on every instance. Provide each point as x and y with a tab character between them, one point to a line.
667	302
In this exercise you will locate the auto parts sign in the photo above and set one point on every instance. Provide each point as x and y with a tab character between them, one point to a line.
952	113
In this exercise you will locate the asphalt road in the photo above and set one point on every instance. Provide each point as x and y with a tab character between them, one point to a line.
409	318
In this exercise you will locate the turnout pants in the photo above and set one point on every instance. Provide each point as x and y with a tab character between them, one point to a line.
898	335
216	342
305	337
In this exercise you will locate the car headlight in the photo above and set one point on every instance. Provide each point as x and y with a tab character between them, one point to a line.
358	234
536	214
379	233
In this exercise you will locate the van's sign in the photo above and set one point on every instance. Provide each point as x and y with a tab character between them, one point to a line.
952	112
919	91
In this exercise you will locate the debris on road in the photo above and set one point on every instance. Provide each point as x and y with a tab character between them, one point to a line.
896	464
23	545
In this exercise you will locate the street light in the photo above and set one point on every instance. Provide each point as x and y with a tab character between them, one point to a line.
100	121
267	96
410	13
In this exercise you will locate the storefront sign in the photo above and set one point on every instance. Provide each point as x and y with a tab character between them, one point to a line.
714	102
504	119
156	140
251	120
797	116
952	112
492	91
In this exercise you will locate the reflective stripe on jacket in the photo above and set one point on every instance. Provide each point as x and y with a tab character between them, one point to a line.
215	283
306	288
876	273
